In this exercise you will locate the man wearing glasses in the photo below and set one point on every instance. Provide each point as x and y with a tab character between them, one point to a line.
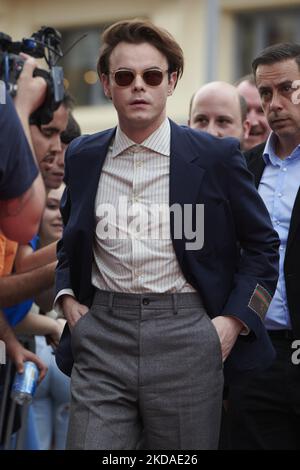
152	214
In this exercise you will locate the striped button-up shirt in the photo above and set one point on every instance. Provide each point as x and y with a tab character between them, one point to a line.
133	250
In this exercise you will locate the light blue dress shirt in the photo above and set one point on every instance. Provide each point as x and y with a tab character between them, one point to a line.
278	188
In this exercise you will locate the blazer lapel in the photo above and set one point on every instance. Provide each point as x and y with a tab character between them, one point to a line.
186	175
257	166
87	185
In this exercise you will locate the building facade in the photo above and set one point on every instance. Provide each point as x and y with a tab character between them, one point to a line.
227	36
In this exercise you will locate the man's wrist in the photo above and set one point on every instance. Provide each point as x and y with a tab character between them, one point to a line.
65	301
239	325
57	305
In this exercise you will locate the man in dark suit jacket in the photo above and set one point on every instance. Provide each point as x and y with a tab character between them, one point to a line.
264	411
147	356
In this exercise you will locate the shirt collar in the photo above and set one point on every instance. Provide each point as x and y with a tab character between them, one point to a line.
158	141
269	154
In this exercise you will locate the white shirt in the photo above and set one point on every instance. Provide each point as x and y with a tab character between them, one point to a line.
133	250
136	253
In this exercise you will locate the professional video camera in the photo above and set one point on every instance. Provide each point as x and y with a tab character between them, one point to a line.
45	43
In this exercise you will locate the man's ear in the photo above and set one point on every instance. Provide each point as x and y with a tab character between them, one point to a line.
172	82
106	85
246	128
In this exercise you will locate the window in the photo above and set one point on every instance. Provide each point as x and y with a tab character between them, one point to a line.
80	65
255	31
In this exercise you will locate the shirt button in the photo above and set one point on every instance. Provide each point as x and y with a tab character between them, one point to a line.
279	195
146	301
284	169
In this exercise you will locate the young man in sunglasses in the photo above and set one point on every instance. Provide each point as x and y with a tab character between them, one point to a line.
135	279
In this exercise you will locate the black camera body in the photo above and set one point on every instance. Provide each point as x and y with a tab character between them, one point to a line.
45	43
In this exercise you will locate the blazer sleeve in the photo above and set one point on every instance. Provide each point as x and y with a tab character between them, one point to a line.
257	271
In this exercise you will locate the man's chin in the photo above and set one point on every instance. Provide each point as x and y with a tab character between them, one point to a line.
53	184
252	141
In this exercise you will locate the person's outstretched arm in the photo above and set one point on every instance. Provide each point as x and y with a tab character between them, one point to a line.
22	192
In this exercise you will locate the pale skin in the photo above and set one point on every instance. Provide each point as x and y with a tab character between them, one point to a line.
139	120
259	127
141	110
274	83
50	230
33	324
216	109
52	225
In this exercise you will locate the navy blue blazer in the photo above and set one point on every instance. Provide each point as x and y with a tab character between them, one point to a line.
203	170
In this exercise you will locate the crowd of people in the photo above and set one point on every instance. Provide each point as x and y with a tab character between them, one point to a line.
177	341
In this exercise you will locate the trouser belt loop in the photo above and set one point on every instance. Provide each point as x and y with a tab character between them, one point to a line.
175	304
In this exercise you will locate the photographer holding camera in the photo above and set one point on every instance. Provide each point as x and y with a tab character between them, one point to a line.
15	69
38	99
22	195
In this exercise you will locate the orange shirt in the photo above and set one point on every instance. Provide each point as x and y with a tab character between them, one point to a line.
8	249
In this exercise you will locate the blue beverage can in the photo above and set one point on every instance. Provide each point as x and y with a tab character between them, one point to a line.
25	384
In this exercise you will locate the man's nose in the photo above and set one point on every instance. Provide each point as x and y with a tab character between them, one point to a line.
275	103
60	158
213	129
138	82
252	117
56	143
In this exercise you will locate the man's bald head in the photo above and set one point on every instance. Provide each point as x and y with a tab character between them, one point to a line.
217	108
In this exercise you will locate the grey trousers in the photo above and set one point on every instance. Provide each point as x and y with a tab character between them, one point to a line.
145	365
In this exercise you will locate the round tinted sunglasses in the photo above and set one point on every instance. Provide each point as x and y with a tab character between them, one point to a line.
152	77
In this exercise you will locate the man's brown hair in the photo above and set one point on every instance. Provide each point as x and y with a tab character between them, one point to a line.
138	31
277	53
